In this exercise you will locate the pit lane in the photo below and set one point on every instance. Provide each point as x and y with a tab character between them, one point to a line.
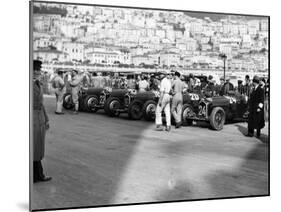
98	160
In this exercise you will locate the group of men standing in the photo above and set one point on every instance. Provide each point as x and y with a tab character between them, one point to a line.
254	92
168	87
59	82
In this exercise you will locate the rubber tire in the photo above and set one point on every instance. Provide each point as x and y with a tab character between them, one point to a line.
107	109
131	110
86	106
213	121
146	116
184	121
67	105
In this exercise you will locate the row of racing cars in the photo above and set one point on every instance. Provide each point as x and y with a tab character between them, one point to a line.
216	110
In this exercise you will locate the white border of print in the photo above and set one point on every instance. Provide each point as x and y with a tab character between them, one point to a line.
15	118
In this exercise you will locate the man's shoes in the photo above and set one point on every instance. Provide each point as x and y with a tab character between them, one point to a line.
75	112
178	125
45	178
59	113
159	127
42	179
168	128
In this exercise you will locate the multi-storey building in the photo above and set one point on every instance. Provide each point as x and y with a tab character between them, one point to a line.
75	50
108	56
50	55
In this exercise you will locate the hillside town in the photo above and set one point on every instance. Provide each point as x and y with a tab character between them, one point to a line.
138	106
95	36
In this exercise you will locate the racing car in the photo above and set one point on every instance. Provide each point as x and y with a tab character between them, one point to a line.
144	104
90	99
216	110
118	101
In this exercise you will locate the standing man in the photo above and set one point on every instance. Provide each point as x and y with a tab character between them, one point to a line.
60	89
247	88
143	84
191	83
240	87
164	103
210	89
40	125
75	84
256	109
177	100
219	87
228	86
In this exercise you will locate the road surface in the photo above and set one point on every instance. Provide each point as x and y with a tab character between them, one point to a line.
98	160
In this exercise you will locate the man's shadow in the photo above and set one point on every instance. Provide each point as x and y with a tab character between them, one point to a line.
263	137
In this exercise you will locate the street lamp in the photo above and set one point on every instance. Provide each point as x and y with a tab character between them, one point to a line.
224	57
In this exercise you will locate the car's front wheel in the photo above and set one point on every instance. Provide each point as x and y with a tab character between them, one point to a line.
149	110
217	118
67	101
90	103
135	110
111	106
187	114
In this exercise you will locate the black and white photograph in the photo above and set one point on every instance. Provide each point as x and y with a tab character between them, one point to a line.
134	105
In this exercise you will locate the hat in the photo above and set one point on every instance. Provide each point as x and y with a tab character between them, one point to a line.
59	71
210	78
163	73
37	65
177	74
256	79
74	70
227	78
239	81
221	78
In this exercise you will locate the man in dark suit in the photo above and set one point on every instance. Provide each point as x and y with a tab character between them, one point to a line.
228	86
40	125
256	109
247	88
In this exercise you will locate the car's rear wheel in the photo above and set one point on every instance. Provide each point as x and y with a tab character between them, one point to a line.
67	101
149	110
90	103
111	106
217	118
187	114
135	110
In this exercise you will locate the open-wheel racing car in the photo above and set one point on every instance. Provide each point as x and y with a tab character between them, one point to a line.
90	99
144	104
118	101
216	110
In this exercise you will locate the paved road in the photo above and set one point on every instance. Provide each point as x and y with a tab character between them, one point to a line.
98	160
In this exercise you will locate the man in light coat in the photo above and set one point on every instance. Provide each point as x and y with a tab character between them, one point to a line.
60	89
40	125
164	103
177	100
75	84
